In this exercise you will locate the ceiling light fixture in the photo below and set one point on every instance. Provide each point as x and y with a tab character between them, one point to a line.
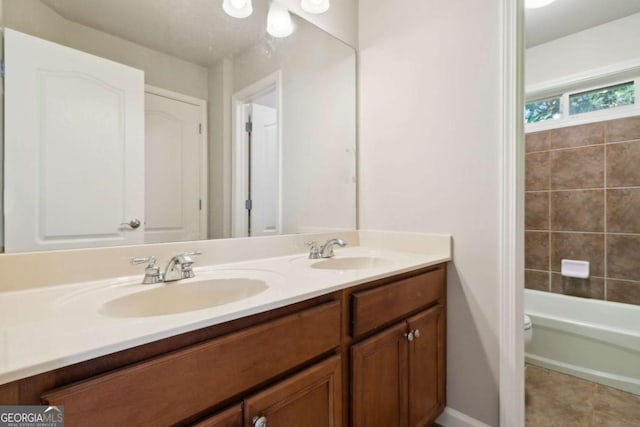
315	6
238	8
534	4
279	23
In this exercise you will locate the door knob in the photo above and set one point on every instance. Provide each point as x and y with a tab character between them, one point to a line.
259	421
409	336
134	223
416	333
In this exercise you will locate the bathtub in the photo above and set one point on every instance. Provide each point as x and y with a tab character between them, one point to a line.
591	339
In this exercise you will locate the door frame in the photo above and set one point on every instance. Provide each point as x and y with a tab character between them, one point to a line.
511	209
203	147
239	180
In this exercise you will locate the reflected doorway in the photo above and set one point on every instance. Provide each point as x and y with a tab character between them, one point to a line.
257	190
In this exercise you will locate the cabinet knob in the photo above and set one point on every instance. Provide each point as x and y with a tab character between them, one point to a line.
409	336
416	333
259	421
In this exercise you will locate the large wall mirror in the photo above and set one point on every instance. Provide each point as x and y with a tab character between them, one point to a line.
161	120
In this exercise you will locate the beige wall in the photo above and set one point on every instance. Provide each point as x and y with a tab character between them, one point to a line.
429	160
220	91
601	46
33	17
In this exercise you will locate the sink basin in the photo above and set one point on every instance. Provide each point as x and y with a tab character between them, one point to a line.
180	297
352	263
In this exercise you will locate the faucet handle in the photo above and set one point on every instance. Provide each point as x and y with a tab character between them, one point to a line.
187	262
314	249
152	273
137	261
193	253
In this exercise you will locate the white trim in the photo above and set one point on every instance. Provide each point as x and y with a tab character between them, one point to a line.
238	151
452	418
204	147
511	238
618	71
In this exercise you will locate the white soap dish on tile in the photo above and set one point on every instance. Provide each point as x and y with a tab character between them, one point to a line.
573	268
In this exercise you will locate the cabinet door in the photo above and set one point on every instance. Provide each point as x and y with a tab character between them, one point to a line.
231	417
379	390
426	366
311	398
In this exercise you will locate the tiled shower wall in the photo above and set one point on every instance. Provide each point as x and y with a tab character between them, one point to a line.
583	203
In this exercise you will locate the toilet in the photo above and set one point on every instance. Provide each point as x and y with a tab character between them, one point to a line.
528	330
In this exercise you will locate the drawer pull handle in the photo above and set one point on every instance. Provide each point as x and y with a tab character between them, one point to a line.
259	421
416	333
409	336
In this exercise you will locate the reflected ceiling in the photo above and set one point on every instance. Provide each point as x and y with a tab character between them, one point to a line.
201	33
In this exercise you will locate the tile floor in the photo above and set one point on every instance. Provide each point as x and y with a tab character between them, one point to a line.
558	400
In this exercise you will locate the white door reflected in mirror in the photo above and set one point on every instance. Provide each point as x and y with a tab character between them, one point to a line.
63	106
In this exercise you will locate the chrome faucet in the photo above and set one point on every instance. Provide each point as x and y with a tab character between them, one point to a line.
180	267
326	250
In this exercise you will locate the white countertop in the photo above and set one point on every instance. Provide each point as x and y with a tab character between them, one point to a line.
47	328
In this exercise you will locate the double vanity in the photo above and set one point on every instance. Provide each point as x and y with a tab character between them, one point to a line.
354	339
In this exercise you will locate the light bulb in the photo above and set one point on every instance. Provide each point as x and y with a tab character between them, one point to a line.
279	23
534	4
315	6
238	8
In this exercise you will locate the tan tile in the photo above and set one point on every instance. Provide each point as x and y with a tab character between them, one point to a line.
536	250
577	136
580	210
623	210
623	129
615	403
536	211
623	256
622	164
601	420
554	399
577	168
578	246
593	287
537	171
621	291
536	141
537	280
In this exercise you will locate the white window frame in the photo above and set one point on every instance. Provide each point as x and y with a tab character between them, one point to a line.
567	119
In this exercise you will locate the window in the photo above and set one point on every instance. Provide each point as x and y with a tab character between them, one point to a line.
602	98
541	110
584	105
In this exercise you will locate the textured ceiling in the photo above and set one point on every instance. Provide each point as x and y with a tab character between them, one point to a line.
564	17
197	31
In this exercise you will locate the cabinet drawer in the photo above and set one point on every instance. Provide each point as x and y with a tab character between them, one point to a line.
231	417
174	387
311	398
379	306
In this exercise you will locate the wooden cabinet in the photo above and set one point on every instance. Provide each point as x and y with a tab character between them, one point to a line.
368	356
426	366
231	417
311	398
398	374
379	379
176	386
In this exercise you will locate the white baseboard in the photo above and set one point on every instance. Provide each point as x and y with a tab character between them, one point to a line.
452	418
